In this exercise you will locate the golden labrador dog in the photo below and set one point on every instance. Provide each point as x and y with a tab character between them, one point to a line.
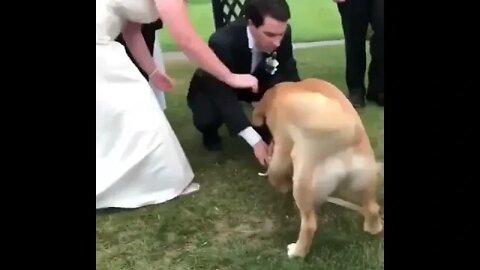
320	144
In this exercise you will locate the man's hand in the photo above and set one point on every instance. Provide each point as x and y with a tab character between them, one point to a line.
261	152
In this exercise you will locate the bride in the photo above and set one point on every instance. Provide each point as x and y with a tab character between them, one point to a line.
138	156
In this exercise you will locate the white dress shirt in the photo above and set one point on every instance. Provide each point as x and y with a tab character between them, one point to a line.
249	134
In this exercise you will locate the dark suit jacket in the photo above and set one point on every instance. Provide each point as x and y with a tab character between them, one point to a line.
230	44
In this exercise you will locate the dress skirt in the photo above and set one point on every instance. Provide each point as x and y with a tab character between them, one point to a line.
138	156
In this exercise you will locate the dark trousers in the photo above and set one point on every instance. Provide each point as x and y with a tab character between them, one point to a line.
148	31
213	104
356	15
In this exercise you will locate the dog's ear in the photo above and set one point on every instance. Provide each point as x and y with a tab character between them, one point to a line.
258	117
259	112
261	109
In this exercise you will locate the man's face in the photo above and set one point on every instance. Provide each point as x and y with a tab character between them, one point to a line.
269	35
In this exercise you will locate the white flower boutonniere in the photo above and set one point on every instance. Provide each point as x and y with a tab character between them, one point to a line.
271	64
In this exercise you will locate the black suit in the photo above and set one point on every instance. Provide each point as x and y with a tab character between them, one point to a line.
356	15
214	103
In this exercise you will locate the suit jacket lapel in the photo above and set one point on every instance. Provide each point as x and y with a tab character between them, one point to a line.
246	59
243	55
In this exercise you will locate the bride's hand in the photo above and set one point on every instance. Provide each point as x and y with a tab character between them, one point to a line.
161	81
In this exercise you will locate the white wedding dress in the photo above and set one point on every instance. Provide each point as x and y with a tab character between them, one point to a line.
138	157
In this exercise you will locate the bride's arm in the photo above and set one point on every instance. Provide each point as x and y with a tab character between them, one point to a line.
132	34
174	15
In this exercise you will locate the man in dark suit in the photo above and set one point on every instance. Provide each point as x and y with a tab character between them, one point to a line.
356	16
259	44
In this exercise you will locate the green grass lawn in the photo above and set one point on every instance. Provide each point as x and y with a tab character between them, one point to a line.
236	220
312	20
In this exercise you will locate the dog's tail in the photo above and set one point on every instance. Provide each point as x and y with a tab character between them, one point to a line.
345	204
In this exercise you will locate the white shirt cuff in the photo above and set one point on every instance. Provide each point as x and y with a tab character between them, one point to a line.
250	135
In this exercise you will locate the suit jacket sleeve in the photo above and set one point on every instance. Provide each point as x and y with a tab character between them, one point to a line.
222	95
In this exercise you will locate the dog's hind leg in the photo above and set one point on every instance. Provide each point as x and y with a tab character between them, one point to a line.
304	198
371	211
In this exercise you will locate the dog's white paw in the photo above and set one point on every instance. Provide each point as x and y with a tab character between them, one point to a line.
373	228
291	250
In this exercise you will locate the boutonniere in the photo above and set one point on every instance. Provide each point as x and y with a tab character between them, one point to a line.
271	63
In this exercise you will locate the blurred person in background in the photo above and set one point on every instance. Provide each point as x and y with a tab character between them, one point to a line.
356	16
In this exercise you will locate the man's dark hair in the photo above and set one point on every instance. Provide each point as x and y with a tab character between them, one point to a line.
257	10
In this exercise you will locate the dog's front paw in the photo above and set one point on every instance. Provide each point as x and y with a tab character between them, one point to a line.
292	251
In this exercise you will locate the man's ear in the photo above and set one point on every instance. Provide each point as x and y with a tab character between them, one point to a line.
250	24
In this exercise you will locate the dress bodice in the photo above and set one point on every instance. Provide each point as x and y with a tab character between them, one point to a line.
112	15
